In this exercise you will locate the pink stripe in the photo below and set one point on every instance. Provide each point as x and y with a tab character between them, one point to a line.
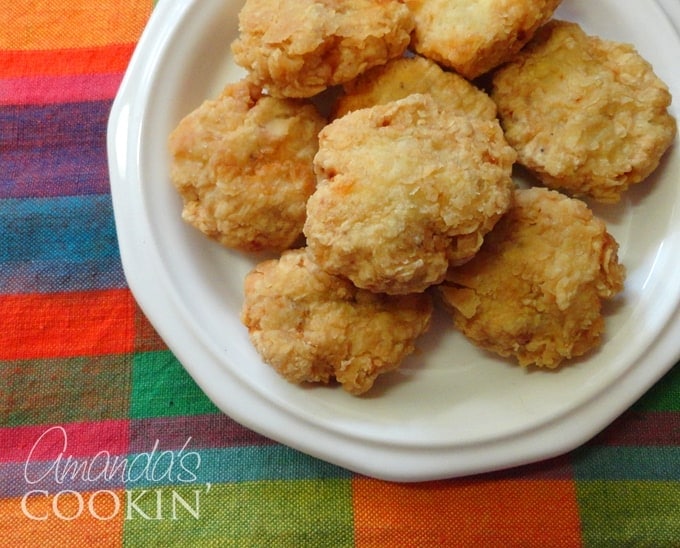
49	442
34	90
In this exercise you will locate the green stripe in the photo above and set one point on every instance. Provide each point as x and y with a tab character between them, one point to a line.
629	513
268	514
59	390
664	395
162	388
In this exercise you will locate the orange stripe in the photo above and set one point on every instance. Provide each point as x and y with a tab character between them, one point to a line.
95	60
96	519
466	513
59	24
66	324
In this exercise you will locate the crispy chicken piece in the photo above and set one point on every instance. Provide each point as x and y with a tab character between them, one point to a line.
405	189
475	36
401	77
298	48
535	289
586	115
311	326
243	166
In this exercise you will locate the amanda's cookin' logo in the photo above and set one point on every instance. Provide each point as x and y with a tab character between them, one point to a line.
156	472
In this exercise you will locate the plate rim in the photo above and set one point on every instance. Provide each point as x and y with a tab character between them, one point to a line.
413	463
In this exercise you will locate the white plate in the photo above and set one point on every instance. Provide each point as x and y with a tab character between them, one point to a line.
451	410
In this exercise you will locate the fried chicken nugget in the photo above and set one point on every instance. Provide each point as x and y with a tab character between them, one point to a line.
586	115
404	190
298	48
535	288
311	326
401	77
243	166
475	36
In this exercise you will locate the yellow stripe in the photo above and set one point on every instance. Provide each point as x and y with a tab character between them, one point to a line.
58	24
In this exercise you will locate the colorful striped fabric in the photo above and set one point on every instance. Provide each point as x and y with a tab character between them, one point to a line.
106	441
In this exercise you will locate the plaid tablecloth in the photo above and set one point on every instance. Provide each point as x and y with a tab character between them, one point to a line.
106	441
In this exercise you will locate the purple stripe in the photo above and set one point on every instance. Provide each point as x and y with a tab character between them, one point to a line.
54	477
55	276
192	432
558	468
53	150
649	429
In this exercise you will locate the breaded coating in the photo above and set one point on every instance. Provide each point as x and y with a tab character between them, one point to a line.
586	115
401	77
311	326
243	166
298	48
534	290
475	36
404	190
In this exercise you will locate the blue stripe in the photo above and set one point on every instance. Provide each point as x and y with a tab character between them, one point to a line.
653	463
60	244
229	465
55	276
71	229
163	468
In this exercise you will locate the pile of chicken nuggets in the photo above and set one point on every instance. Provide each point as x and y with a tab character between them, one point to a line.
371	146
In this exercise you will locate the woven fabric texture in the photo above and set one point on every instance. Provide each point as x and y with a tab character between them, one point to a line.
106	441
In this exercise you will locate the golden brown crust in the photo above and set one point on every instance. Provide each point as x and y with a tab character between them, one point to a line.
311	326
475	36
586	115
298	48
243	166
405	189
401	77
534	290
